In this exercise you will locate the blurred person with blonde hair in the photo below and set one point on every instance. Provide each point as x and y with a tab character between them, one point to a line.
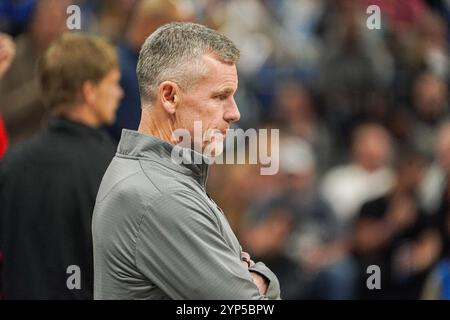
48	184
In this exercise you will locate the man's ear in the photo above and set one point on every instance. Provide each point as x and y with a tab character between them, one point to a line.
88	92
169	95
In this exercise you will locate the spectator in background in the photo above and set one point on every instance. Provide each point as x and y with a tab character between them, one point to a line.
441	213
223	180
355	68
436	193
401	16
266	237
48	184
434	184
430	102
14	15
393	233
432	45
295	232
112	17
417	39
437	286
7	52
20	104
147	16
367	176
297	114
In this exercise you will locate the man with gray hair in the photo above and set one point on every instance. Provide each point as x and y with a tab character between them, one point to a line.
156	232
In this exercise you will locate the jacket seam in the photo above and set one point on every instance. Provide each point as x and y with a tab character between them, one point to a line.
115	185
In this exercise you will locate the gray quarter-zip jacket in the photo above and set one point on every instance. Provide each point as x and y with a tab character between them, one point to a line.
158	235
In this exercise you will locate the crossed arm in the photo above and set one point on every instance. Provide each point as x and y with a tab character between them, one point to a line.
180	248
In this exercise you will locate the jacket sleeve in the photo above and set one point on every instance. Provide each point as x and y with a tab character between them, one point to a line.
273	289
181	250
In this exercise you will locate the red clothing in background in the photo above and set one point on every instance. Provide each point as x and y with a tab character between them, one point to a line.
3	138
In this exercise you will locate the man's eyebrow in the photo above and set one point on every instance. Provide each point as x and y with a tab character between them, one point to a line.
223	92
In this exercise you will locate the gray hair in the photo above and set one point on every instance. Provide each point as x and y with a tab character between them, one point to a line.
173	52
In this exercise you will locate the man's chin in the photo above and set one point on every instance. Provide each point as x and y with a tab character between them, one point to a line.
213	148
109	120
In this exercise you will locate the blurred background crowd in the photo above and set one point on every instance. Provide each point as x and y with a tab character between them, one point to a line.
364	129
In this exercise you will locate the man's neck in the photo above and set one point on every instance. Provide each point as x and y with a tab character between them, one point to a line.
80	114
157	125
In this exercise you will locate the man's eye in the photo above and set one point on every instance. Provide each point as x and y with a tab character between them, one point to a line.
222	97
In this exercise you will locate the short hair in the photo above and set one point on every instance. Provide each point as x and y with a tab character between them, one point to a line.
69	61
174	51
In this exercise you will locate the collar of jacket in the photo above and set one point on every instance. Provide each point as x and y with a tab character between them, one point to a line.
144	146
62	124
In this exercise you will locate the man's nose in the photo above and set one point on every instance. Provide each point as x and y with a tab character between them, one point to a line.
232	113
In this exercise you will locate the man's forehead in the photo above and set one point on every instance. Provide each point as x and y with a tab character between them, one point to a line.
220	75
213	61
